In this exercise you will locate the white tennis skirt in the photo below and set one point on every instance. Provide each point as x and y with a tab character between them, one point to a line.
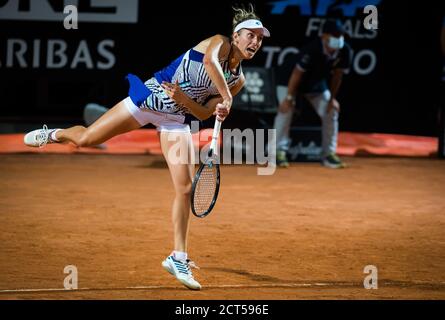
162	121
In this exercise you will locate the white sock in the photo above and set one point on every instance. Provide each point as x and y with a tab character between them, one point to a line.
53	135
179	255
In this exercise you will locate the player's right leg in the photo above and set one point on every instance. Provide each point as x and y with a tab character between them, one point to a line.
116	121
177	148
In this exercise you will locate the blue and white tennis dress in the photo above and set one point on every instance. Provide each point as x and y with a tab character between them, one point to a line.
189	71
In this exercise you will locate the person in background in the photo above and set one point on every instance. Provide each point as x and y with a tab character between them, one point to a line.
317	76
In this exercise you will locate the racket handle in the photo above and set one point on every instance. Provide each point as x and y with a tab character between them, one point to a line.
216	129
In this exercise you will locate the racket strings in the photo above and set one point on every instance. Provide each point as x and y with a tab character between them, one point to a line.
205	189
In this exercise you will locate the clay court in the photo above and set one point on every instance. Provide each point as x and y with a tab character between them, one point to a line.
306	232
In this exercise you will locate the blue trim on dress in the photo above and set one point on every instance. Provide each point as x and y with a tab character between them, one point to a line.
168	72
196	55
138	92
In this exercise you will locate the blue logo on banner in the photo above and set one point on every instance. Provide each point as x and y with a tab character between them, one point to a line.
322	6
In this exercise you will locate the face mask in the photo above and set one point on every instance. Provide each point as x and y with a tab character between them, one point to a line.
336	43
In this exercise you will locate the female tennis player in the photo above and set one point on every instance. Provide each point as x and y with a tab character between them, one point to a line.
199	83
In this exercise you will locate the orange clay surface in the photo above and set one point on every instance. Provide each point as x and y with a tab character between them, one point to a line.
306	232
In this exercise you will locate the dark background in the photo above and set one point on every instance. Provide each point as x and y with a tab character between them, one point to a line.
400	95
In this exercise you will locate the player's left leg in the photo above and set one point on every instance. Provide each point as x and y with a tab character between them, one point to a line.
177	148
116	120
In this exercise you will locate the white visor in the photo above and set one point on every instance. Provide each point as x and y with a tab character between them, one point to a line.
252	24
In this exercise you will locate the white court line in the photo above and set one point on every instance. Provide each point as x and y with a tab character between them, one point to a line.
237	286
223	286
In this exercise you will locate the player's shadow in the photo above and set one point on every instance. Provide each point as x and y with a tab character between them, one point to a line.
251	276
154	164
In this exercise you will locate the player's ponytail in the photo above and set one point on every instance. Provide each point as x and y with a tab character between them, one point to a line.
242	14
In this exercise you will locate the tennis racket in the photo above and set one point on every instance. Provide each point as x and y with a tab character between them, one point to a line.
205	185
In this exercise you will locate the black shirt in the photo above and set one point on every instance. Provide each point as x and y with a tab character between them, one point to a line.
317	65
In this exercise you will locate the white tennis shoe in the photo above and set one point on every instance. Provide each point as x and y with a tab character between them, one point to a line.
39	137
181	270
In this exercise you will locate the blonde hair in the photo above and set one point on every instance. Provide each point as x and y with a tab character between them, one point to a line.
243	14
